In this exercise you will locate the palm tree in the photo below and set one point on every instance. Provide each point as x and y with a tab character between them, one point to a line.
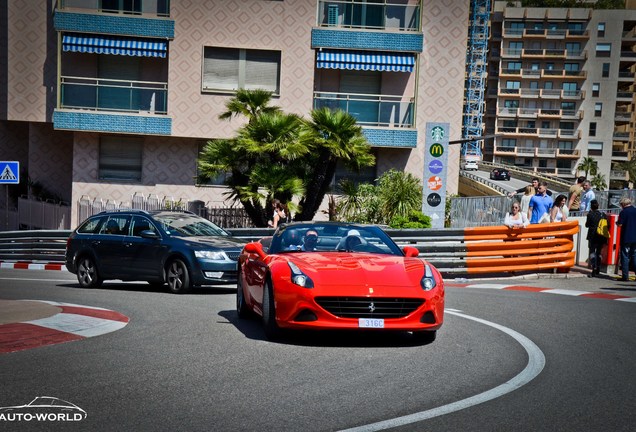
589	165
598	181
400	194
250	104
331	136
630	167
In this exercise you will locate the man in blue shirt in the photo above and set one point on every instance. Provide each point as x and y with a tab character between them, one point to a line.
540	204
587	196
627	222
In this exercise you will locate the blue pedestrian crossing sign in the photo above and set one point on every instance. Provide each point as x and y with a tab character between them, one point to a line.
9	172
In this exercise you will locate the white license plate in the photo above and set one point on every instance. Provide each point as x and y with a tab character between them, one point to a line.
370	323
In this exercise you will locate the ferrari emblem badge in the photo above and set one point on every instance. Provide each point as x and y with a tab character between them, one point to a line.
371	307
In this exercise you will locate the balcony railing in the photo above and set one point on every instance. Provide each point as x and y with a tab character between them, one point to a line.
114	95
618	175
537	152
160	8
370	110
359	14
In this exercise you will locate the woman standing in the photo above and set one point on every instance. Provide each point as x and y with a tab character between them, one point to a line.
279	214
595	241
516	218
559	212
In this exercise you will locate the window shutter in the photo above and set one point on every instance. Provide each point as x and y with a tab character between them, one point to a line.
221	69
120	158
262	70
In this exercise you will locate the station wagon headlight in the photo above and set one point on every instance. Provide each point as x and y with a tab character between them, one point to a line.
298	277
211	255
428	281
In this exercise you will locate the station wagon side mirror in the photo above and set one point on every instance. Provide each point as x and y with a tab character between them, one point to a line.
255	248
149	234
410	251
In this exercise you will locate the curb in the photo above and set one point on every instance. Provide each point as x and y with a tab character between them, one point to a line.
70	322
573	293
33	265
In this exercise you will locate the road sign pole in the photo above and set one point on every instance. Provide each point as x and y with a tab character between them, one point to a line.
6	188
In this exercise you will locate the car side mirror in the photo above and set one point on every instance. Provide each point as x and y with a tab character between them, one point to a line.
149	234
410	251
255	248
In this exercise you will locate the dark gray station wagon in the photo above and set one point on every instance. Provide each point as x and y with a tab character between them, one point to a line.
177	248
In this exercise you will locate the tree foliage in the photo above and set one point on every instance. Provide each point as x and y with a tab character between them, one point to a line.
599	182
282	156
589	165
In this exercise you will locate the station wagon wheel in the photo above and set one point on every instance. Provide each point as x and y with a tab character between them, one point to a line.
178	277
269	312
87	274
241	308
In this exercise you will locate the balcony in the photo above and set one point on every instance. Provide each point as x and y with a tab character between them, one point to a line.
548	53
114	95
356	14
143	18
621	175
561	73
568	153
158	8
370	110
622	116
109	105
569	134
546	152
547	133
623	96
620	136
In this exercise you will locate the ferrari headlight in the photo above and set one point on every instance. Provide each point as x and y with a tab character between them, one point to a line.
428	280
298	277
211	255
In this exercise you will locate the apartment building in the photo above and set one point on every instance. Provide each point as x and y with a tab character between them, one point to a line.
110	99
561	88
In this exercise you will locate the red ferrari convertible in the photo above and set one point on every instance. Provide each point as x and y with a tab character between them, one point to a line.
338	276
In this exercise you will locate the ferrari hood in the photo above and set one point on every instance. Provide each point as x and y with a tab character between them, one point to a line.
358	269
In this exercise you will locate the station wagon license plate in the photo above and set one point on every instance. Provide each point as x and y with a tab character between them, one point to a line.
370	323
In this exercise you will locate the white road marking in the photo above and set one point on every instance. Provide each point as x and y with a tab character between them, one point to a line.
536	363
565	292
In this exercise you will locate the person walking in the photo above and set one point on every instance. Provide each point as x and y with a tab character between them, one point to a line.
525	199
576	190
540	205
587	196
559	212
595	241
535	186
627	222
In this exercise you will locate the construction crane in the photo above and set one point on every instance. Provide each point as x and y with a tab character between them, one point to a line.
476	64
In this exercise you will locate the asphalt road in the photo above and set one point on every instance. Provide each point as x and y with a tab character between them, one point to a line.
513	184
504	360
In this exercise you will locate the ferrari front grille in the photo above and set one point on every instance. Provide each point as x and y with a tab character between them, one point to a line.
367	307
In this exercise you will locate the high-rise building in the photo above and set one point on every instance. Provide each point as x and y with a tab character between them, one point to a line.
561	89
109	99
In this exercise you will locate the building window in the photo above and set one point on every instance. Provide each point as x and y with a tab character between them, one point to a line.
603	49
595	148
511	103
598	109
606	70
573	48
592	131
568	106
120	158
548	85
230	69
509	142
600	28
365	175
565	145
515	48
570	89
596	89
575	28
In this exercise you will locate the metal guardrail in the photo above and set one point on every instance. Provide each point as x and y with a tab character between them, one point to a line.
529	175
452	251
487	182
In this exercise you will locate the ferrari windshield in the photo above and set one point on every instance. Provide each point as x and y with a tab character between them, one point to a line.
332	237
187	225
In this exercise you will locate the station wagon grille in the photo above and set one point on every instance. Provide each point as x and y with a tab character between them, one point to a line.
234	256
366	307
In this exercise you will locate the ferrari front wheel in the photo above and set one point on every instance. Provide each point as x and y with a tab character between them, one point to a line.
269	312
241	308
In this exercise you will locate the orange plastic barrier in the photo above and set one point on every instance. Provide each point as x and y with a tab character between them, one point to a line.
496	249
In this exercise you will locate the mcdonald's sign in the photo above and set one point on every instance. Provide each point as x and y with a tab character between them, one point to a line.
437	150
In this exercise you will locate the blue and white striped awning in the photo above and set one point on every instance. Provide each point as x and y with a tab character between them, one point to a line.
366	60
114	45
